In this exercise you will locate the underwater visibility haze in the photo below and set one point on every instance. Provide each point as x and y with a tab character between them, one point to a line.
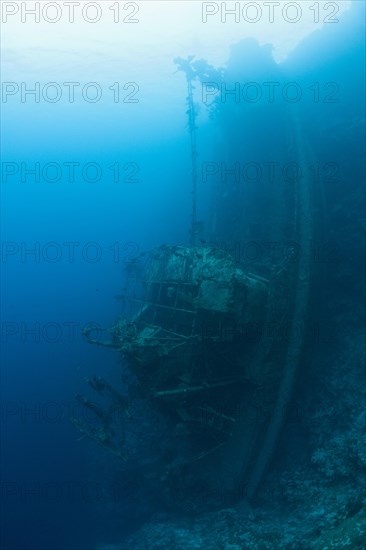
183	275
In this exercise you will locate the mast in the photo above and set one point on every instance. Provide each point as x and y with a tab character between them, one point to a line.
194	154
195	69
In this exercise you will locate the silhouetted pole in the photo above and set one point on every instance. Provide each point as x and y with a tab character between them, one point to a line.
194	154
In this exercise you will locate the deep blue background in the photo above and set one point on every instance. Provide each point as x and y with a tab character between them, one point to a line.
147	213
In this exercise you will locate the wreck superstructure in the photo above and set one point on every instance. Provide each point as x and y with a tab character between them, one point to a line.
198	334
183	342
213	342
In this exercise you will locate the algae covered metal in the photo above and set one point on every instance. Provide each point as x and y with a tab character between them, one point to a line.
193	302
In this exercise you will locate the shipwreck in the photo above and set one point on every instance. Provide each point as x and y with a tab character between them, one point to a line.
193	334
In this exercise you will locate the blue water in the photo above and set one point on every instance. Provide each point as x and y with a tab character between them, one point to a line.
109	223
